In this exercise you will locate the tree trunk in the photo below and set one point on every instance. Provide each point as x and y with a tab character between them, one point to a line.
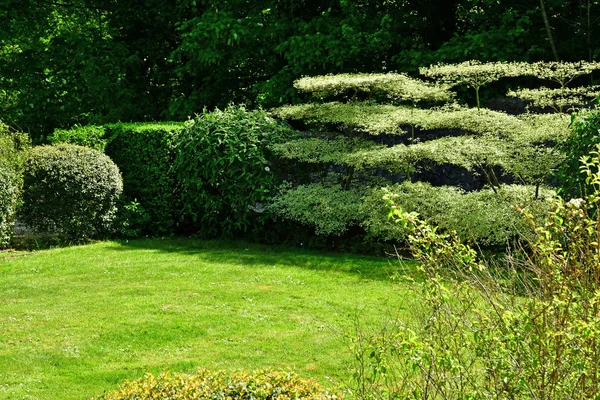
548	30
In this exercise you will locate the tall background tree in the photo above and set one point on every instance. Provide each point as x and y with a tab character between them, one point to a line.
72	61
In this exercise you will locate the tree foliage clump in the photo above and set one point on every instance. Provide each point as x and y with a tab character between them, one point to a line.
557	99
70	191
399	87
223	168
506	159
13	153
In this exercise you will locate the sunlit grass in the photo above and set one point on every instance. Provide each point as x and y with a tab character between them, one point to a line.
76	321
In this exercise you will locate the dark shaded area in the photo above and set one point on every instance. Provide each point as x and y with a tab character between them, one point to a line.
250	254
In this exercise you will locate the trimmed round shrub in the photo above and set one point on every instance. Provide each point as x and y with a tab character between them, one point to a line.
13	151
260	385
223	166
71	191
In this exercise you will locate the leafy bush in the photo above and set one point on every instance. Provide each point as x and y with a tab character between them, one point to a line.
223	167
259	385
330	210
531	333
585	134
145	153
92	136
13	152
71	191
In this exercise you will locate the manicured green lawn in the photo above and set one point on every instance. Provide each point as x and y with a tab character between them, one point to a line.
77	321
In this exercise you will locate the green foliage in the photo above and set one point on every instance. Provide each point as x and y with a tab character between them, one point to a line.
70	191
559	98
485	217
13	152
223	167
377	119
394	86
260	385
584	136
145	153
92	136
562	73
330	210
529	334
474	73
314	150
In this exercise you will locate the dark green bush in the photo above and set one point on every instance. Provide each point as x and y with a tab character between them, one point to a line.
145	153
13	152
92	136
70	191
260	385
223	166
585	134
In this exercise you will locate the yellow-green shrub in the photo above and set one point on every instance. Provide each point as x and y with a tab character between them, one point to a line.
259	385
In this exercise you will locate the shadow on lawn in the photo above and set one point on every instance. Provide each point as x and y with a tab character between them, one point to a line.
251	254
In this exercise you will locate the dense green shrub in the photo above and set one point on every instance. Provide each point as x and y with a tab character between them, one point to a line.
92	136
223	167
13	152
259	385
145	153
70	191
585	134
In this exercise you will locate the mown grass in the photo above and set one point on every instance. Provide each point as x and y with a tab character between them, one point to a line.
77	321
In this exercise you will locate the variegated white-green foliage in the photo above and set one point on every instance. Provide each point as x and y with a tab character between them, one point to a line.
378	119
486	217
395	86
518	146
464	151
315	150
562	73
558	99
329	209
541	129
475	73
527	164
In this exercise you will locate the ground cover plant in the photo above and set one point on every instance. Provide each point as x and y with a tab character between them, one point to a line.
78	321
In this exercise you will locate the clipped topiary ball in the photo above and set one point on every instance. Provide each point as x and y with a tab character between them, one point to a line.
259	385
70	191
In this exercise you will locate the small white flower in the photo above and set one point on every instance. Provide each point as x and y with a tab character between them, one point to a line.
267	169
